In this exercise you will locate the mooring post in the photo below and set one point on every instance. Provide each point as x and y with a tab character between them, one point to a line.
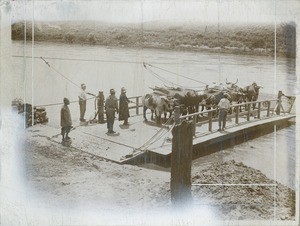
181	164
137	105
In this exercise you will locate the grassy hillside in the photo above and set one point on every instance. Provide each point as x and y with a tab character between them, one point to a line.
257	39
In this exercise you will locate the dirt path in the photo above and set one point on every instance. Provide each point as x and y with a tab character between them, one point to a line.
66	177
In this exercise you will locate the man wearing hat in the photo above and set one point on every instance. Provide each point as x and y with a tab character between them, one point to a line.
223	106
82	102
100	104
111	106
123	106
65	120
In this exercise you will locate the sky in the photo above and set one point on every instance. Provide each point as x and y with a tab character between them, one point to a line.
135	11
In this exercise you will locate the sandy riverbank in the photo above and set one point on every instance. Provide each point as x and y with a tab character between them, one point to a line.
67	177
249	39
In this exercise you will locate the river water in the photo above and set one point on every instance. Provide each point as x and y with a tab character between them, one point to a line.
102	68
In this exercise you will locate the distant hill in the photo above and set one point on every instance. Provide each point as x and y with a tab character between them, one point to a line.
254	39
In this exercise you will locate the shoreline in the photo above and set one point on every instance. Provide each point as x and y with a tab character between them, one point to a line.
256	40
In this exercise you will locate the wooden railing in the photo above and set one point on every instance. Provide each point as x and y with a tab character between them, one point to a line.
263	105
137	102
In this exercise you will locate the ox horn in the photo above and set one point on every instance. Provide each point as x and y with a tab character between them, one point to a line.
227	82
236	81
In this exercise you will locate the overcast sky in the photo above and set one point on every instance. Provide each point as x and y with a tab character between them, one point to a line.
135	11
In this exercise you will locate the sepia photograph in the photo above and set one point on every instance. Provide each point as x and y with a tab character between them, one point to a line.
149	112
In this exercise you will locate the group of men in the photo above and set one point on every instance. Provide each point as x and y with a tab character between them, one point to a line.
110	106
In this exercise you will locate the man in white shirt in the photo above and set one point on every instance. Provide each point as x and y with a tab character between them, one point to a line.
223	106
82	102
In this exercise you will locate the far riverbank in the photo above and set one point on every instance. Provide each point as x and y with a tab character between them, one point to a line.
248	39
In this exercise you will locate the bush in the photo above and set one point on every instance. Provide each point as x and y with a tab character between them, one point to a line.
258	43
69	38
121	37
17	31
91	38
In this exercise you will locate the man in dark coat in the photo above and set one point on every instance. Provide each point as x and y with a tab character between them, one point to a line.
111	106
100	104
65	119
123	106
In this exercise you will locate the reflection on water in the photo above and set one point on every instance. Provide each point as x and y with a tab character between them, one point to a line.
104	68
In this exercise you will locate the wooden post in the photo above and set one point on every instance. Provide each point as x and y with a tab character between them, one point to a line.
181	164
249	110
137	105
278	109
259	110
268	109
194	124
177	114
210	121
237	115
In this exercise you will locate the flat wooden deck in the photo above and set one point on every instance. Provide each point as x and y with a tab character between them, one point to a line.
137	138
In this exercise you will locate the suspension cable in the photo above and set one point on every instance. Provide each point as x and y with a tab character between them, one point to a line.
173	73
162	79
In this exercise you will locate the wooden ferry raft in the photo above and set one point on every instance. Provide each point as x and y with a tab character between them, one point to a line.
142	142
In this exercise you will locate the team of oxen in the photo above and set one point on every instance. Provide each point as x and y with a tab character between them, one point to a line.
163	99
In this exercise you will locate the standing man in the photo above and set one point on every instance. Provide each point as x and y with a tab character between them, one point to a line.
100	104
65	120
82	102
223	106
123	106
111	106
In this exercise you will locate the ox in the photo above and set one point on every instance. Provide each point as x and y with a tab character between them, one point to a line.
251	92
187	99
236	93
211	98
157	104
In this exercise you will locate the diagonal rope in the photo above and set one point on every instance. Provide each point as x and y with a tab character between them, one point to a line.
174	73
169	82
46	62
158	135
163	79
